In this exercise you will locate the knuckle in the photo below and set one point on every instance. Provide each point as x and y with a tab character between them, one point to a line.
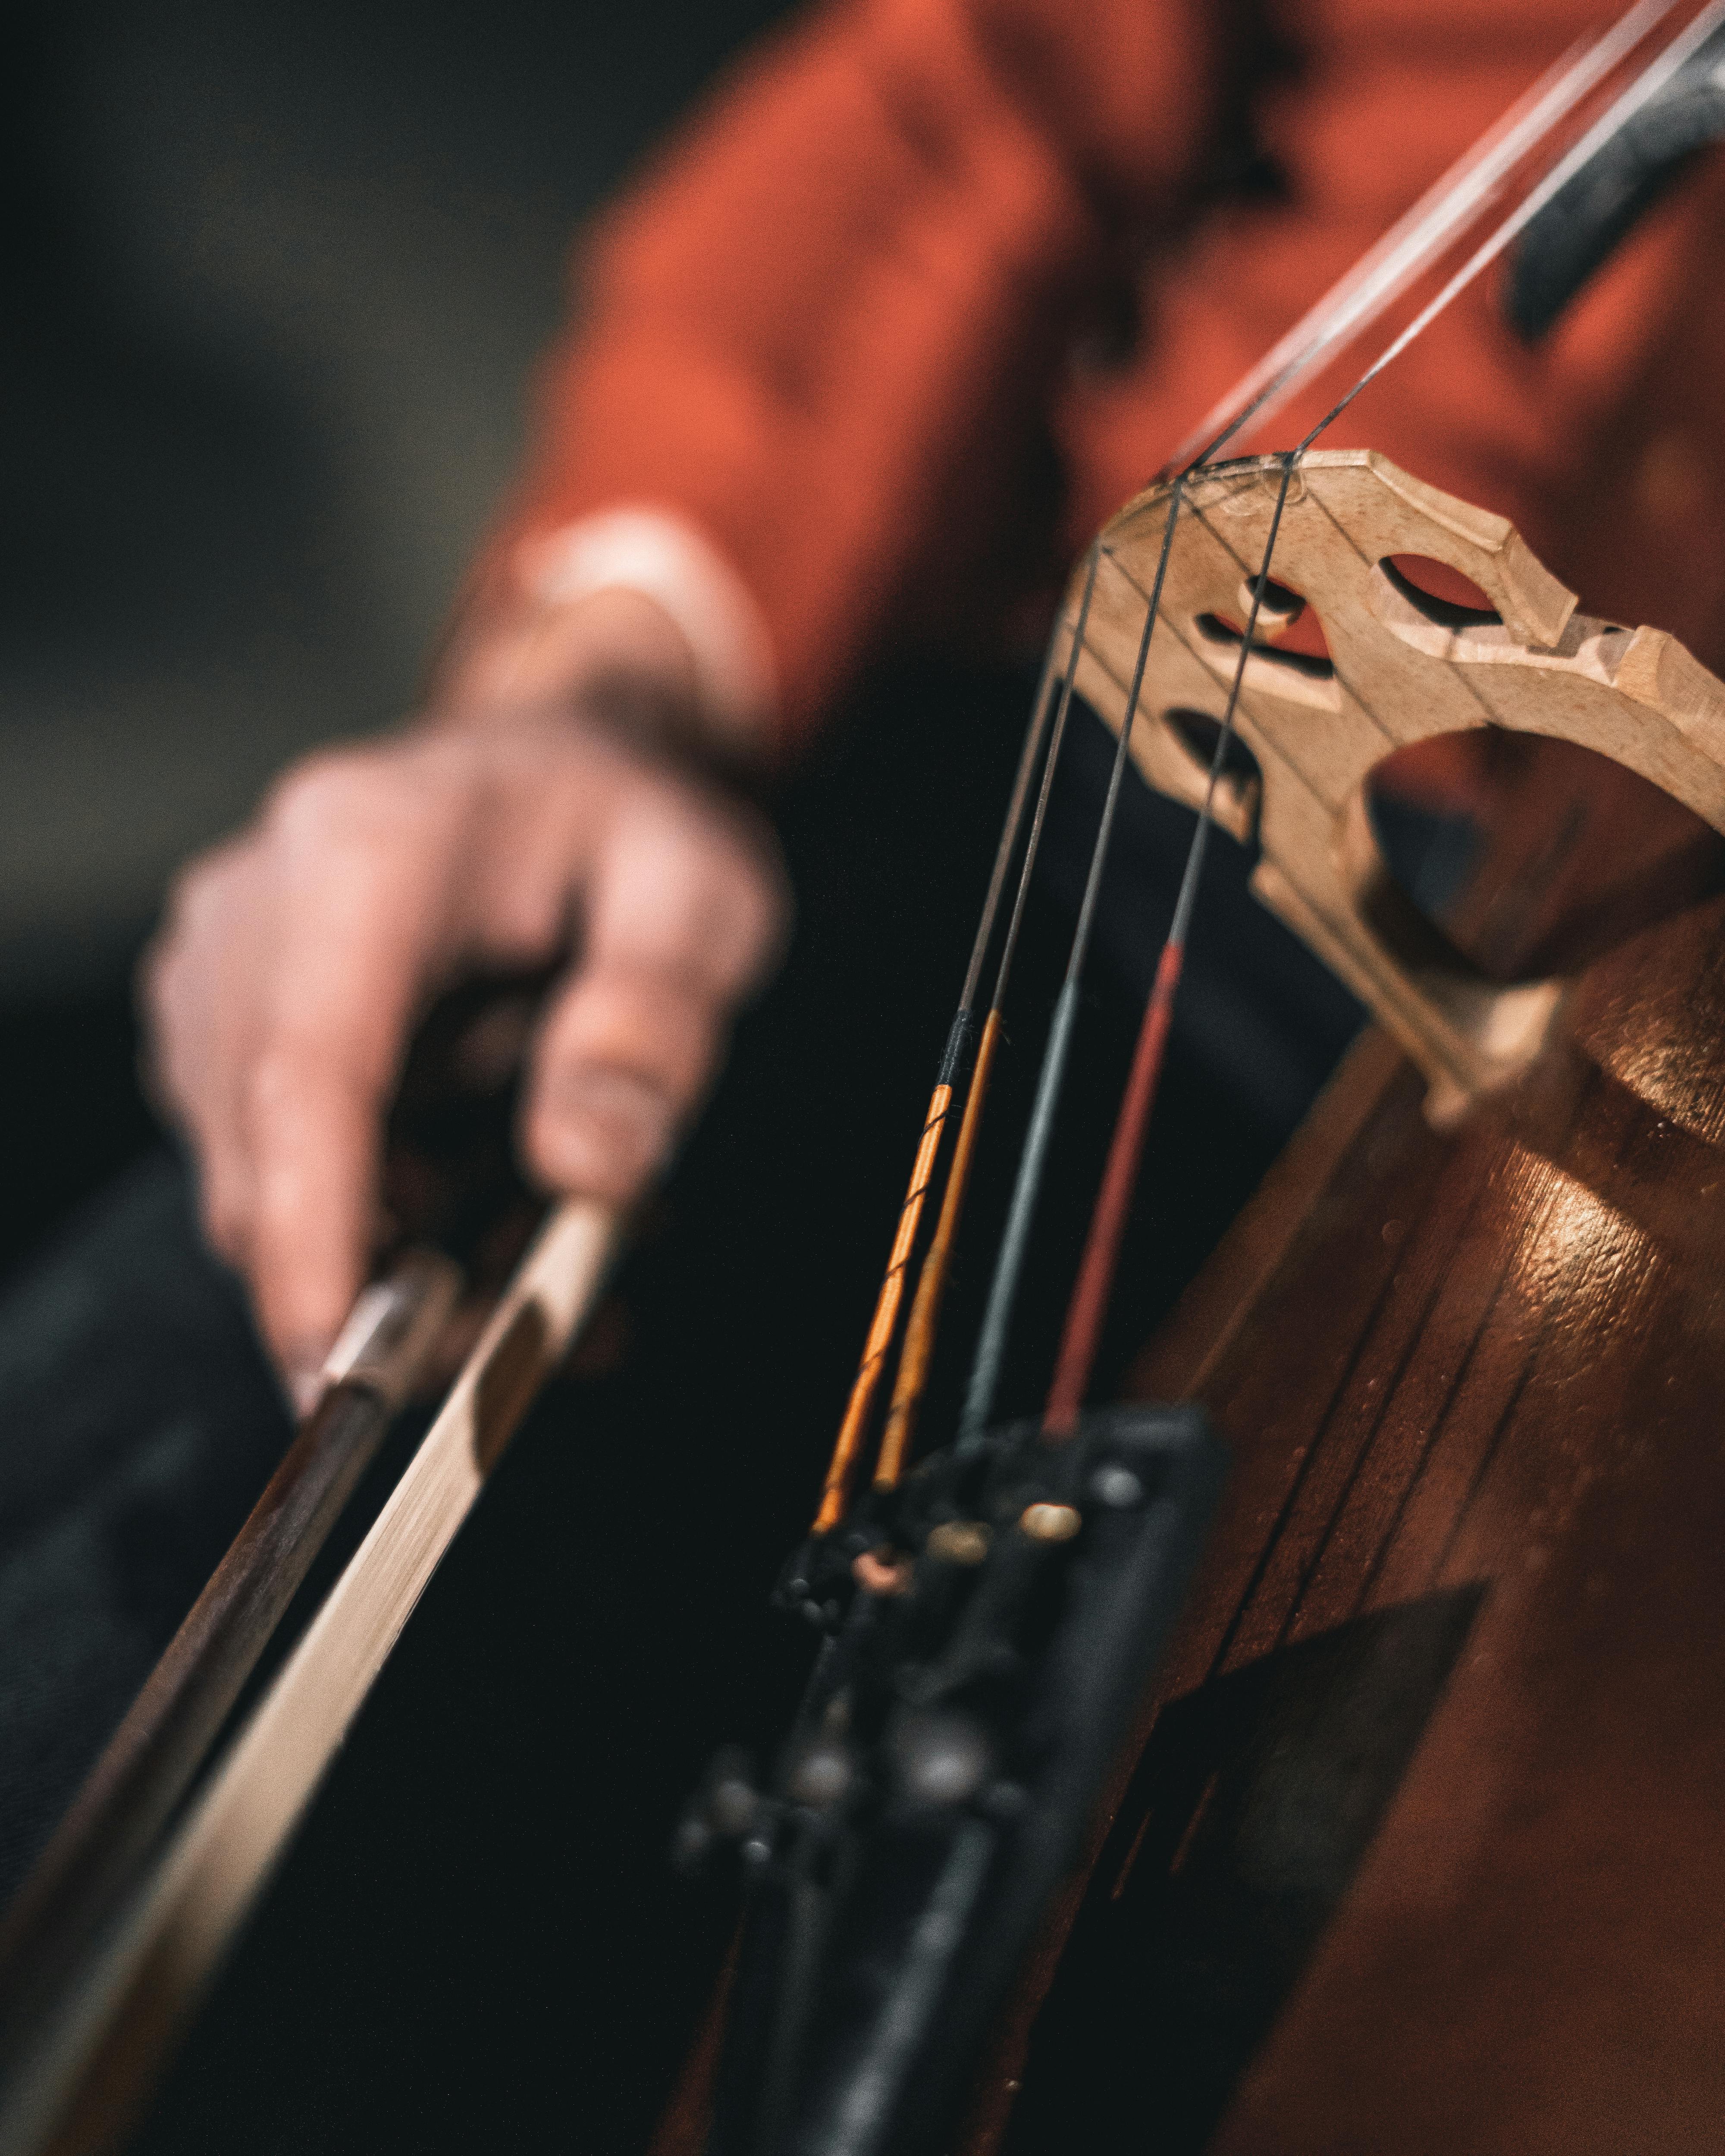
319	797
348	809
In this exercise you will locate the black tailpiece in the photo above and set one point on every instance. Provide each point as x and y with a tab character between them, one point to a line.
992	1625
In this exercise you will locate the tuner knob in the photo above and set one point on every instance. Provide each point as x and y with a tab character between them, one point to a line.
941	1758
821	1775
1116	1487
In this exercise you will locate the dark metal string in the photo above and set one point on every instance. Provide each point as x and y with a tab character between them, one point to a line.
1012	823
1088	1303
956	1064
1033	844
1002	1291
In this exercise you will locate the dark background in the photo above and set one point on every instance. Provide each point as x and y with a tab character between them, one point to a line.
276	276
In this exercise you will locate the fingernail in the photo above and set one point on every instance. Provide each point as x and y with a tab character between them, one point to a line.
610	1127
304	1384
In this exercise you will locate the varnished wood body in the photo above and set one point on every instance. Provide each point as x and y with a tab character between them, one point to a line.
1473	1386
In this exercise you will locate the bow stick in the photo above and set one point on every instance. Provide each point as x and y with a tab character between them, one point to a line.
80	2086
100	1853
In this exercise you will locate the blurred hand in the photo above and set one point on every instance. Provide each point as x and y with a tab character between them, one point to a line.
296	959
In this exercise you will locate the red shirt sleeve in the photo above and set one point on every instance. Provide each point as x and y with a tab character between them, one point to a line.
827	328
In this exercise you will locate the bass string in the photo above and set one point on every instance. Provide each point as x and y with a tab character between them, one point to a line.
1100	1260
1033	1158
1087	1305
1097	1278
1349	308
956	1064
917	1352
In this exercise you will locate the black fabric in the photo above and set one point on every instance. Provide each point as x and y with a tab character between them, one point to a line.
138	1422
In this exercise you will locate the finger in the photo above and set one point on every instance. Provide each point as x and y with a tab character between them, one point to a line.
679	890
681	918
620	1058
361	854
314	1173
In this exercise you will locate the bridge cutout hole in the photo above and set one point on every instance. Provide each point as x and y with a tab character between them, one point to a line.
1442	594
1529	856
1240	784
1288	629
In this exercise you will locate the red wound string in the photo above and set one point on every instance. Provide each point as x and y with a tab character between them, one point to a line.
1107	1223
1102	1249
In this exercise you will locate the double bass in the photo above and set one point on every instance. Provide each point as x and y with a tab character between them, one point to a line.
1350	1713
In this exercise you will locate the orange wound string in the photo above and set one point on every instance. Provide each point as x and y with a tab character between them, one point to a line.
853	1430
835	1490
930	1283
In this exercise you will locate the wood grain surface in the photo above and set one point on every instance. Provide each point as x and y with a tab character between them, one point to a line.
1421	1850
